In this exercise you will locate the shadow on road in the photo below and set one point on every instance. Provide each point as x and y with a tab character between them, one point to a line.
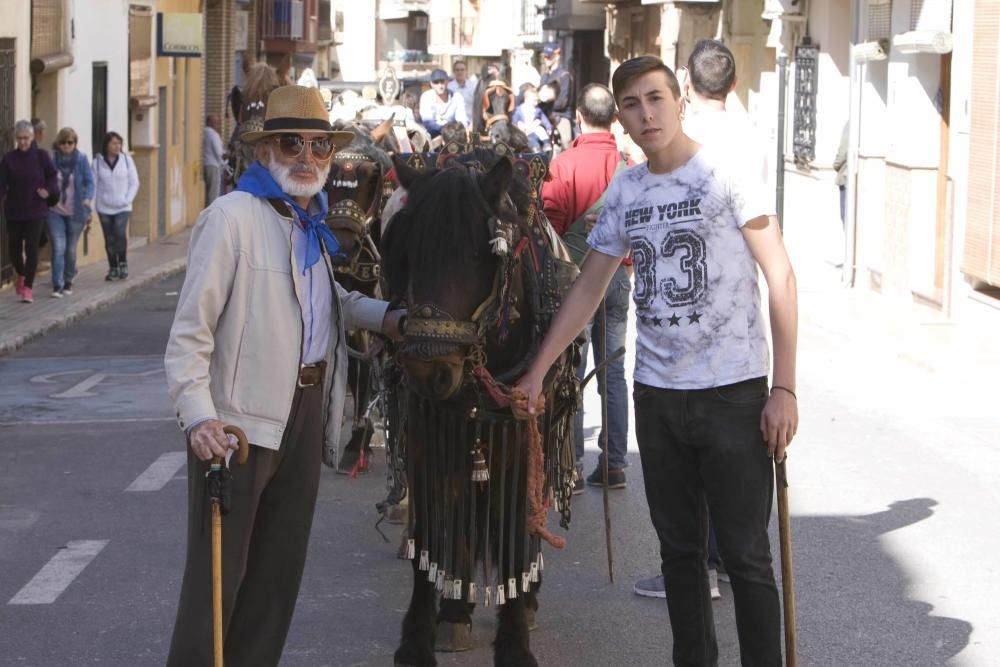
852	597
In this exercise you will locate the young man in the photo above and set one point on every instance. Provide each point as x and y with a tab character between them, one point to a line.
258	341
579	178
706	424
438	106
711	77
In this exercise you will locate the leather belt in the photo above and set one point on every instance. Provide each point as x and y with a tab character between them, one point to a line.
311	376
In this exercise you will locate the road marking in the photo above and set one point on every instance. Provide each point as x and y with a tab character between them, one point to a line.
59	572
77	422
161	471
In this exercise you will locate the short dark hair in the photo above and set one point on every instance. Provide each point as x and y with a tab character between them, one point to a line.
107	141
596	105
633	68
712	68
456	63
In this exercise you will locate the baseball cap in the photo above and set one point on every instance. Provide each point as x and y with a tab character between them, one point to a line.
550	49
439	75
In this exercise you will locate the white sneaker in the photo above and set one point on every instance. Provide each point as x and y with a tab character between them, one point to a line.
57	294
713	584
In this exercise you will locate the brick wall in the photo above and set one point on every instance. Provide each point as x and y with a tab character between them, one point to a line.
219	61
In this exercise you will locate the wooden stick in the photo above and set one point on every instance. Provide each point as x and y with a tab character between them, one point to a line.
787	576
217	581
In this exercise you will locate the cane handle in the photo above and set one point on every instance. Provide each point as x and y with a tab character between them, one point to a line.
242	438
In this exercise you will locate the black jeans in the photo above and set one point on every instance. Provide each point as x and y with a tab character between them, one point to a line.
703	450
115	226
22	246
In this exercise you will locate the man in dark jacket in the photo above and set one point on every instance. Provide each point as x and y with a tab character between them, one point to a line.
562	107
580	175
27	177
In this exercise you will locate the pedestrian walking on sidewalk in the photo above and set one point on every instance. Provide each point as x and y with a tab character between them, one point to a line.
116	183
698	228
573	197
259	272
69	216
27	181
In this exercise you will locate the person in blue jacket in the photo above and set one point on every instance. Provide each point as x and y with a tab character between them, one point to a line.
71	214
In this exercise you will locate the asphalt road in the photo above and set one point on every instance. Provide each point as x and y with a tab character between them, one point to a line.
892	540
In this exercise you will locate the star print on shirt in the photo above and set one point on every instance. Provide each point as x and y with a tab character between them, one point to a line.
695	316
674	320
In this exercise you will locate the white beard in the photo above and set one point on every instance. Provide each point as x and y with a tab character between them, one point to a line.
282	175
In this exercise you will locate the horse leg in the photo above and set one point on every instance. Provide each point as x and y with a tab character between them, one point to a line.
511	647
416	647
531	604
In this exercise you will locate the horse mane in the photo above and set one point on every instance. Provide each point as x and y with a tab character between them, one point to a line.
261	79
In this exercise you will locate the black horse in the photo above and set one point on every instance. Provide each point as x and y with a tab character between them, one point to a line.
469	256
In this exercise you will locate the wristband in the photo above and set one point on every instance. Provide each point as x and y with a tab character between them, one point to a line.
778	386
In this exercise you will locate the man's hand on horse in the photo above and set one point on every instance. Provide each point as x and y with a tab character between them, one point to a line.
526	400
207	440
393	322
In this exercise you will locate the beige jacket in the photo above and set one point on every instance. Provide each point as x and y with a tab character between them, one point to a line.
236	342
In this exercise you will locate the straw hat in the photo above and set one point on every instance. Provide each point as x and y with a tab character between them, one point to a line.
294	109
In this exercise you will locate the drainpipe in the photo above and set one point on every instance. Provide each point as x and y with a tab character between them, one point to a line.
779	186
853	136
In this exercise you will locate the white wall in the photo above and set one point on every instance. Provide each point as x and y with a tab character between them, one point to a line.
16	23
958	161
356	56
96	21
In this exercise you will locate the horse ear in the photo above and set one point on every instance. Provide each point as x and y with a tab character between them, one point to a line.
404	172
378	134
496	182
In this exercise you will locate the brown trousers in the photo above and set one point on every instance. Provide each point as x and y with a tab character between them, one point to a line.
265	537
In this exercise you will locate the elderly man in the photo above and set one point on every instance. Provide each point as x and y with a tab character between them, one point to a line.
212	157
439	106
258	341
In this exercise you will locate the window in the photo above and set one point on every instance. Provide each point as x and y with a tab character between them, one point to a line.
46	27
140	56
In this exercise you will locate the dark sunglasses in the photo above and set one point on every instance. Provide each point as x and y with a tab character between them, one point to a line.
292	145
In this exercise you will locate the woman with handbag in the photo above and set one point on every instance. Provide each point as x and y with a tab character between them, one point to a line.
71	211
116	183
27	180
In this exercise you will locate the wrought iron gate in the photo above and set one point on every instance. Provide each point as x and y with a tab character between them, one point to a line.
804	124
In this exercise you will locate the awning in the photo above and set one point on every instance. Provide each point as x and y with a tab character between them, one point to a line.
51	62
140	102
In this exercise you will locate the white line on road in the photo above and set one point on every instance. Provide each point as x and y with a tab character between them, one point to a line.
161	471
78	422
59	572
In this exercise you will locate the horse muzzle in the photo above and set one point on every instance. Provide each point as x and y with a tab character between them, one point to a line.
438	379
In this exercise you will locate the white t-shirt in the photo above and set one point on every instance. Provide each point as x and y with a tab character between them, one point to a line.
730	132
697	302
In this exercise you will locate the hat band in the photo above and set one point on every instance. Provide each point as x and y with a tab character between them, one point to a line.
277	124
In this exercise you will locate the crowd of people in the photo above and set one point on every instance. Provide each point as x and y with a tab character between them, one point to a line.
681	233
50	197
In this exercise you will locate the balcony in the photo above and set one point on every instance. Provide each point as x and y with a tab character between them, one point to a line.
290	26
574	15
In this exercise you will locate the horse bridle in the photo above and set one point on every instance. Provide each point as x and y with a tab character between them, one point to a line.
348	215
429	329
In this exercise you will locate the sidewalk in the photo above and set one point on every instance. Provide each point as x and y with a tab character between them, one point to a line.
20	322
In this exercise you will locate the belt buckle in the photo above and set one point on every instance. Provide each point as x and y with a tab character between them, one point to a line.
298	380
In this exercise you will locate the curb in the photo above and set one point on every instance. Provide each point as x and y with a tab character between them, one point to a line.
104	297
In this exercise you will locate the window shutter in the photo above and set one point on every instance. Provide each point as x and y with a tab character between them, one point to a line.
982	236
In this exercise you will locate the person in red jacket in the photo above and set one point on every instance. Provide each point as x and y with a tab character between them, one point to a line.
573	198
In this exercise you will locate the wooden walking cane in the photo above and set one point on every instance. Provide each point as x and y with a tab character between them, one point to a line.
216	493
604	435
787	577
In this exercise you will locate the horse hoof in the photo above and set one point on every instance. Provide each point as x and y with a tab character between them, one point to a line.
453	637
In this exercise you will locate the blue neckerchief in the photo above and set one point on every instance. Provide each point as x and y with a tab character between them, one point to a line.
257	180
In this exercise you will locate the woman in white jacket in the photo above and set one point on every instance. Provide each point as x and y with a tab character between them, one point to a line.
116	183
